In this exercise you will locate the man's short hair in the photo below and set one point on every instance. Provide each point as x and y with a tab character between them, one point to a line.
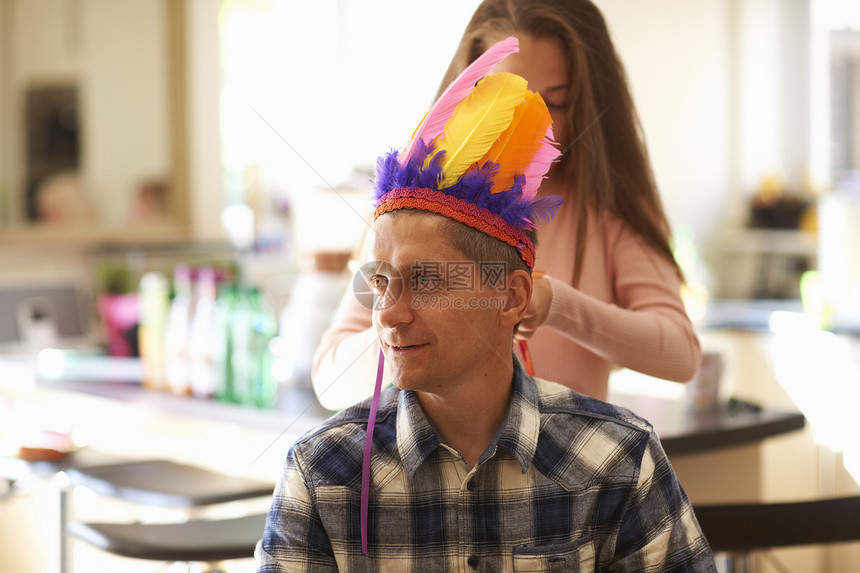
482	248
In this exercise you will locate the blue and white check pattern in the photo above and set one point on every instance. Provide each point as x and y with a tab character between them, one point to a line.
568	484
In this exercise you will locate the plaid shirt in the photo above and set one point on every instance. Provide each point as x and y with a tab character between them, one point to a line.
569	483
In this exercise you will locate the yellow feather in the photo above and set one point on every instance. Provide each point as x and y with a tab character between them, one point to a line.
518	144
477	122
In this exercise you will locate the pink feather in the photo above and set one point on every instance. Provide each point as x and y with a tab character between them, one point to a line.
434	121
539	165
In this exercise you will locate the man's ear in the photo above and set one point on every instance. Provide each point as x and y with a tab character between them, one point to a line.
518	292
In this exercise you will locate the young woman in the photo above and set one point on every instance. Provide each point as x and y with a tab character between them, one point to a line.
611	289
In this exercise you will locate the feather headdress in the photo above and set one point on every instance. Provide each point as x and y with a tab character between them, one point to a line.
478	156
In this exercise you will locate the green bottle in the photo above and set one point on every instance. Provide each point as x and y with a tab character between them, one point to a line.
253	327
240	342
222	342
265	328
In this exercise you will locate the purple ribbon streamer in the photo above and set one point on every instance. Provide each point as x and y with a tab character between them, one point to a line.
368	446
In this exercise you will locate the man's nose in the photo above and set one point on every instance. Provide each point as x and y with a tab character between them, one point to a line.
394	306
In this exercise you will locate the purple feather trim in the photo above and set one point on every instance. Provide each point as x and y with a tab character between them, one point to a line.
474	186
544	209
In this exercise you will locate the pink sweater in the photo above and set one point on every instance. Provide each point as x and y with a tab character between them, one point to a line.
627	312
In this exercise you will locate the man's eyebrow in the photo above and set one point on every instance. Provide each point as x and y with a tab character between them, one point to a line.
426	265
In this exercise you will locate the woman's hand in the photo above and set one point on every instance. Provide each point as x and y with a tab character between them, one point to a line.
538	309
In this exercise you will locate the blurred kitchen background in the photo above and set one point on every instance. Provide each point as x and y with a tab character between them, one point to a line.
137	132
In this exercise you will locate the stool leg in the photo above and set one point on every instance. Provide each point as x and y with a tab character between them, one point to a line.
209	567
739	562
9	492
64	553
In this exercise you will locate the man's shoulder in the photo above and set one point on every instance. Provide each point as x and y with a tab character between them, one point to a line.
559	399
584	441
347	428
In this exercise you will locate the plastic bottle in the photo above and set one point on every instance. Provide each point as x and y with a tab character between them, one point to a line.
221	342
240	345
253	327
176	334
201	374
154	308
265	330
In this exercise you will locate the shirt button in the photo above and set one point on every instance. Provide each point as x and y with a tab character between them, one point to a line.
473	561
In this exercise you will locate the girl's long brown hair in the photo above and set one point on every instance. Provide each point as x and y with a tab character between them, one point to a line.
605	160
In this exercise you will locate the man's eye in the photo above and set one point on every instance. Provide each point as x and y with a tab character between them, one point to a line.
378	283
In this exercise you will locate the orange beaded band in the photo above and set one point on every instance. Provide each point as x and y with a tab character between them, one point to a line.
467	213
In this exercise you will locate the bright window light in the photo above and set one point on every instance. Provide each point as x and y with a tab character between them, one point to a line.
50	363
322	88
817	371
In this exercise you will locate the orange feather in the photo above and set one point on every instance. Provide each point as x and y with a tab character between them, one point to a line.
519	143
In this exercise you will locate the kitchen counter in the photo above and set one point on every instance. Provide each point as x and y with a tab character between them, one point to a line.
685	430
682	429
297	409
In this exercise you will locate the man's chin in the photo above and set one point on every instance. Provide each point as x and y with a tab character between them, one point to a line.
405	382
401	383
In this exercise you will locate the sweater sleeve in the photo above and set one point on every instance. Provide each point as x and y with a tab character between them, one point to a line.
646	328
346	359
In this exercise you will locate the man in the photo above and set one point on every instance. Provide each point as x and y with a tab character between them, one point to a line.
473	464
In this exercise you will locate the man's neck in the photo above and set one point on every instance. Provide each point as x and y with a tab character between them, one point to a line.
468	417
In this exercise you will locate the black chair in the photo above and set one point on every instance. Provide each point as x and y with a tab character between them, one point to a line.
739	529
199	540
167	484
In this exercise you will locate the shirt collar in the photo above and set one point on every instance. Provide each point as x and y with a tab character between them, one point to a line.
417	438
